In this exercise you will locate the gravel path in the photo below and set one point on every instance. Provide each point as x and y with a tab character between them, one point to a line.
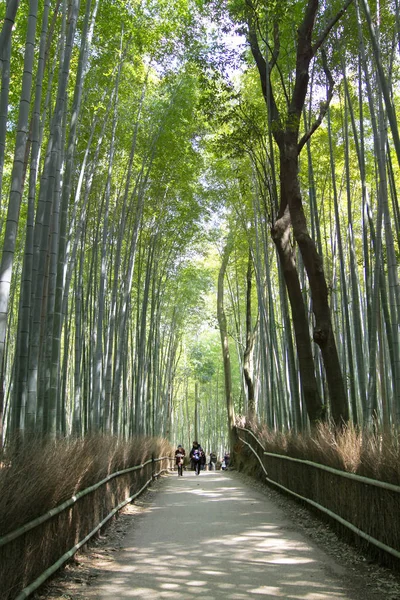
220	536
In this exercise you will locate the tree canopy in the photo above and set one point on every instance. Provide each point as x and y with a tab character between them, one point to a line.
193	186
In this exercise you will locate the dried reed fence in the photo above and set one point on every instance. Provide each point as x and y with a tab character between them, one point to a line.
32	553
366	507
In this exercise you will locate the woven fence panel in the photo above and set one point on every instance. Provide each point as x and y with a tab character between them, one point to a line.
374	510
25	558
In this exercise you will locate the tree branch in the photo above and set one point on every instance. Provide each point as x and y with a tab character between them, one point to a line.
328	28
304	56
262	67
323	106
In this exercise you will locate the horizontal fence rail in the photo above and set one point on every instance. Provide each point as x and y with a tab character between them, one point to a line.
26	564
367	507
5	539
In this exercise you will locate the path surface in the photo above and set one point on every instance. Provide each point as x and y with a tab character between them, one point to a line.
211	537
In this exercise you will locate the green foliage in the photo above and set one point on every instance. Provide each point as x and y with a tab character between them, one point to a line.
204	164
202	364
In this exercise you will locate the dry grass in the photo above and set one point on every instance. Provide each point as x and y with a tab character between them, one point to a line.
40	476
371	509
364	452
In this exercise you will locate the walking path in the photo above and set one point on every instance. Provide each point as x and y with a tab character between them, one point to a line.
212	537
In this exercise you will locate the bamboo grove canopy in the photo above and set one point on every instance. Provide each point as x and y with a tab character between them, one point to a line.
199	216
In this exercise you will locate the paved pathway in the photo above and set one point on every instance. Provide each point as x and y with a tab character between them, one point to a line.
211	537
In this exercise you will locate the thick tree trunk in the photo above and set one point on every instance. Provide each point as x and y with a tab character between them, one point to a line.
65	197
285	126
323	332
280	236
142	365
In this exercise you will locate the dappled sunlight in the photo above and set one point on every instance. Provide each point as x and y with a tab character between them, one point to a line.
195	583
213	573
207	538
208	495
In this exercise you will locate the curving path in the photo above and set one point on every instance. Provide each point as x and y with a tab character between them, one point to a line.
211	537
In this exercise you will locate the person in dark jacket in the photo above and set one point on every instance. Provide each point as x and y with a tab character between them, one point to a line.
179	458
225	462
213	461
197	456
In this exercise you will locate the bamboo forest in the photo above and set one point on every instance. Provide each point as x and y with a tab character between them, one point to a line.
200	221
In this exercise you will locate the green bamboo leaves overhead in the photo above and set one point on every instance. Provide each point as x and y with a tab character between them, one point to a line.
111	110
131	146
310	61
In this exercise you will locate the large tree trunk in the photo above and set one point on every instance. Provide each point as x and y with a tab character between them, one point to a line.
323	332
53	393
281	238
4	103
286	133
142	365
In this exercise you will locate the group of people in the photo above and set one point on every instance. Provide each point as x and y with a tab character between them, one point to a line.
198	459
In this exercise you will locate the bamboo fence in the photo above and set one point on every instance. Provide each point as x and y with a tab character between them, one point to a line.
368	508
32	553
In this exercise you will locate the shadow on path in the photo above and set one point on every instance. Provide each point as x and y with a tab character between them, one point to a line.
212	537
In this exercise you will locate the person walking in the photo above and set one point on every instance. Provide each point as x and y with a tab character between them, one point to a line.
196	456
179	458
226	461
213	461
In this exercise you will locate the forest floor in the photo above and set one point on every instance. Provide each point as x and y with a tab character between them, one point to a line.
366	579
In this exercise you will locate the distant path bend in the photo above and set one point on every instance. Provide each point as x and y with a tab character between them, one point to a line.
211	537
